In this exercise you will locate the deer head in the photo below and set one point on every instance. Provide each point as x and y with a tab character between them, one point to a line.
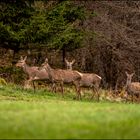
21	62
46	60
45	64
69	64
129	78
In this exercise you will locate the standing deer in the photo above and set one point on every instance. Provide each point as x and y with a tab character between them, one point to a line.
132	88
69	64
34	73
62	77
88	80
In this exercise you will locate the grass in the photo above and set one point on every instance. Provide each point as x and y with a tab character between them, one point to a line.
24	114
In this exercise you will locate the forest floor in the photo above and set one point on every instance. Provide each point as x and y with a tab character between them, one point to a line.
25	114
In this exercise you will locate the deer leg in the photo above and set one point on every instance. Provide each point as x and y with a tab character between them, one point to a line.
30	81
126	97
139	98
24	85
62	89
98	96
33	85
93	92
53	87
27	84
96	92
132	98
78	90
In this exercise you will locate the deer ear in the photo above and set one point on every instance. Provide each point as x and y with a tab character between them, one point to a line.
25	58
21	57
132	73
46	60
66	60
126	73
73	61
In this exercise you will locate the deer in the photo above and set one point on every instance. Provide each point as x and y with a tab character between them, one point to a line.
69	63
91	80
34	73
132	88
61	76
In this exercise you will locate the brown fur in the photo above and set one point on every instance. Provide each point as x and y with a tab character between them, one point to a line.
87	79
34	73
91	80
132	88
63	77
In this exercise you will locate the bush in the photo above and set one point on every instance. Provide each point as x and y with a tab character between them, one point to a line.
12	74
2	81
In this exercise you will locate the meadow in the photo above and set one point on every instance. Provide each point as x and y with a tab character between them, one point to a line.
25	114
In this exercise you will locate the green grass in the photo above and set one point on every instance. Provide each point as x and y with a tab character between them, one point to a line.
24	114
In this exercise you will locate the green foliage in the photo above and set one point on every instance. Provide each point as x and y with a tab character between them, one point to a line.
55	27
22	23
13	74
14	16
65	16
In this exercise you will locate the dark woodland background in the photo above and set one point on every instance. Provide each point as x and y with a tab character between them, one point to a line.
102	36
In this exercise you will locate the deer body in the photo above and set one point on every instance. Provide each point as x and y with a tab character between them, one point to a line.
63	77
30	71
40	74
133	88
91	80
34	73
87	79
27	69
